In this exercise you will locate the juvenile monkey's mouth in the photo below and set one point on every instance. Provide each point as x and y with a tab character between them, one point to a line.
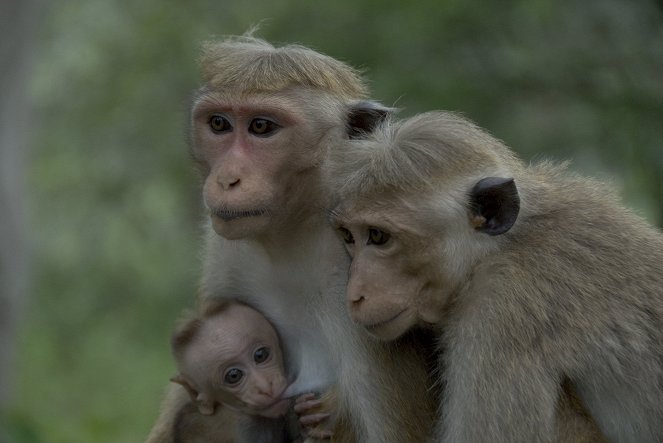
231	214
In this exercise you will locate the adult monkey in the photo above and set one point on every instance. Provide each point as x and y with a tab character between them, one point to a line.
262	124
538	281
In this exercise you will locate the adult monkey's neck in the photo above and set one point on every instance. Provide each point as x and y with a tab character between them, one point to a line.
304	238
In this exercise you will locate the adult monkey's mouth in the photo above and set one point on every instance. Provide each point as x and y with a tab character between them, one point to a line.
231	214
376	325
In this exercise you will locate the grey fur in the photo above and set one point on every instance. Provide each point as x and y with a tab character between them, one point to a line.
572	293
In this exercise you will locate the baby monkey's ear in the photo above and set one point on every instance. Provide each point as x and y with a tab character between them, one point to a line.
205	406
180	380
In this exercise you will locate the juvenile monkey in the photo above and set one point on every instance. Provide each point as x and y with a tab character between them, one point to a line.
230	355
261	126
537	280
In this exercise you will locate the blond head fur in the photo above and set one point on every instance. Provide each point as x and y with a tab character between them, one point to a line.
248	65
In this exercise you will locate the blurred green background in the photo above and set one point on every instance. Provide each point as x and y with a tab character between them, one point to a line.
114	210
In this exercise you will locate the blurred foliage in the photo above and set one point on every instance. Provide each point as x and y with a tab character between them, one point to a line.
115	204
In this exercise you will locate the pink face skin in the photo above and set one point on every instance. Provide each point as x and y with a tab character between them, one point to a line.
235	359
256	161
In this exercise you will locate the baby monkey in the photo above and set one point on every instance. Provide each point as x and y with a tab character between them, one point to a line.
231	355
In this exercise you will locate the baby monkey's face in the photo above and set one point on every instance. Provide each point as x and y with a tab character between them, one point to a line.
236	360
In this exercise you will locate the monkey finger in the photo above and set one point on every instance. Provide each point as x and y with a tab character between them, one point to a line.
306	406
305	397
320	434
312	419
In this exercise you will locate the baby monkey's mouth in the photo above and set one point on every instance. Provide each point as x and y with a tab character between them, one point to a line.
231	214
276	409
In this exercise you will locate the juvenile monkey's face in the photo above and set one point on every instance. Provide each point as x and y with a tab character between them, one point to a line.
258	158
392	286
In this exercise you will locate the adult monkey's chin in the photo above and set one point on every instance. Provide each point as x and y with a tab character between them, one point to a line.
389	329
237	225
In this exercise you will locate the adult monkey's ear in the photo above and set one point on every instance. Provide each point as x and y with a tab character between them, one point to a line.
365	115
494	205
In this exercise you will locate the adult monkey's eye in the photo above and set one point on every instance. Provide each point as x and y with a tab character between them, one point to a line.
377	237
261	355
347	235
219	123
233	376
262	126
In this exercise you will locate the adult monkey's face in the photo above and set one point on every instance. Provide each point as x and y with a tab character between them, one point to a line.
259	157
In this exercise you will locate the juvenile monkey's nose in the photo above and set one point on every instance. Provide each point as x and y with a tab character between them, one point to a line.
355	293
357	299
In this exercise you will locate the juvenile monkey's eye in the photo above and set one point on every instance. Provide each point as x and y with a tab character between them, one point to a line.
261	355
347	235
219	123
377	237
233	376
262	126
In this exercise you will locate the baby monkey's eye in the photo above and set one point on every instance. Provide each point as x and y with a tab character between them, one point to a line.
346	235
377	237
261	355
262	126
233	376
219	123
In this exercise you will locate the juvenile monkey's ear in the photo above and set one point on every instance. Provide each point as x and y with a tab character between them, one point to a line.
365	115
494	205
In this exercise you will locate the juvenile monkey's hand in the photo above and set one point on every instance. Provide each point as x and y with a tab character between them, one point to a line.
314	417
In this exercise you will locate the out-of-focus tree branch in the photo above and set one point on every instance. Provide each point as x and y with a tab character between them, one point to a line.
16	25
